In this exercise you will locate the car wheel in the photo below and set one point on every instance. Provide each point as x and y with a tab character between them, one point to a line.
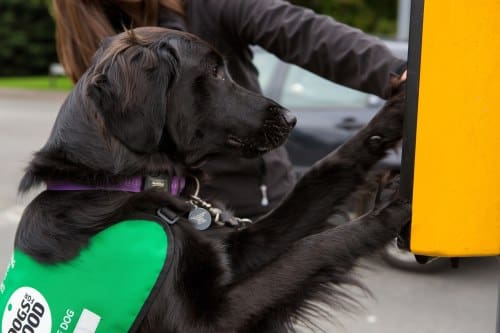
404	259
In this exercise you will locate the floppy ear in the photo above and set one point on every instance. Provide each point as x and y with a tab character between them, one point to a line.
134	115
99	91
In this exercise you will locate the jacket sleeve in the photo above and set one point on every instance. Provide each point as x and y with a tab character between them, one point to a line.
315	42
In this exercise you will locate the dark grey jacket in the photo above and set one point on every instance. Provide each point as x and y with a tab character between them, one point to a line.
297	35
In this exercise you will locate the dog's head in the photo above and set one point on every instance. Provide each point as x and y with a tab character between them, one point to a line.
153	92
163	91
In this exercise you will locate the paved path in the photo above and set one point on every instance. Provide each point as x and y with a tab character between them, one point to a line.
25	122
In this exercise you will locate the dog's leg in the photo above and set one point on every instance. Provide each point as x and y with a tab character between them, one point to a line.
315	196
311	269
200	295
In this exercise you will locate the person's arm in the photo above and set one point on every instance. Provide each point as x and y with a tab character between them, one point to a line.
315	42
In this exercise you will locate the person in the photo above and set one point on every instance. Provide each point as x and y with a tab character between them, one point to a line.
297	35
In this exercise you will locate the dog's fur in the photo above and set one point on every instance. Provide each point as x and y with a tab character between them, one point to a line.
161	102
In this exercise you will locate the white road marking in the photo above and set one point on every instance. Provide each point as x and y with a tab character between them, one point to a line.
372	319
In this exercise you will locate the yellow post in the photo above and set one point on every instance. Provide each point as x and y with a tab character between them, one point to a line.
456	172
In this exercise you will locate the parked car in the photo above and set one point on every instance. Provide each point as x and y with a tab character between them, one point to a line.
327	113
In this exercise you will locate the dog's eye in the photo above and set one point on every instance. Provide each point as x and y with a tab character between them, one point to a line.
215	69
217	72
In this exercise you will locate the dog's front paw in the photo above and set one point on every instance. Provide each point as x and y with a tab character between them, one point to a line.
396	211
387	190
386	128
396	215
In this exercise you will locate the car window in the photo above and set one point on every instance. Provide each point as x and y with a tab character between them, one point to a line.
266	64
305	89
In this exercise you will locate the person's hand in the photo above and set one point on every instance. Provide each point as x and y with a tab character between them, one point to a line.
398	83
403	76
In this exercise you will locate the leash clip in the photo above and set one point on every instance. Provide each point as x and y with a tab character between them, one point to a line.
167	215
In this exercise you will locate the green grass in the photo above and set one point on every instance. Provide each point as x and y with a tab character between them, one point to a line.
37	83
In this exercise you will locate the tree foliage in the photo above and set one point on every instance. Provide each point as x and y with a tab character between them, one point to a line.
372	16
27	43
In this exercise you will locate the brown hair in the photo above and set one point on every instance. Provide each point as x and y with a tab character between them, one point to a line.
81	25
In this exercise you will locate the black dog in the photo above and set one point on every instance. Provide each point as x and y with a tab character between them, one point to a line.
161	102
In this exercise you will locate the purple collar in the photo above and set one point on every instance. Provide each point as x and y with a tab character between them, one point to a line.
136	184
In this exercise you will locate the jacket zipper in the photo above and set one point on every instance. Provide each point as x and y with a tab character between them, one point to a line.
264	202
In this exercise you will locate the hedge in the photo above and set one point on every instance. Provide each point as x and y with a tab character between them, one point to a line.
27	44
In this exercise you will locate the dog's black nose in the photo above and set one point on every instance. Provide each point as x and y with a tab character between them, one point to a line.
290	119
278	111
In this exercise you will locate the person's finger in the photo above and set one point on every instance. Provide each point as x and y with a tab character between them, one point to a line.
403	76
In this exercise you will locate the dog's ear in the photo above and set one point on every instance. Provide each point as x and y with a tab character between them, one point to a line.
130	92
135	114
99	91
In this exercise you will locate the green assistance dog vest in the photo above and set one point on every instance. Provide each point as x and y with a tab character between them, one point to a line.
105	289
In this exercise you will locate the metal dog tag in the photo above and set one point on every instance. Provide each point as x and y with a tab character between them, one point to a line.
200	218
